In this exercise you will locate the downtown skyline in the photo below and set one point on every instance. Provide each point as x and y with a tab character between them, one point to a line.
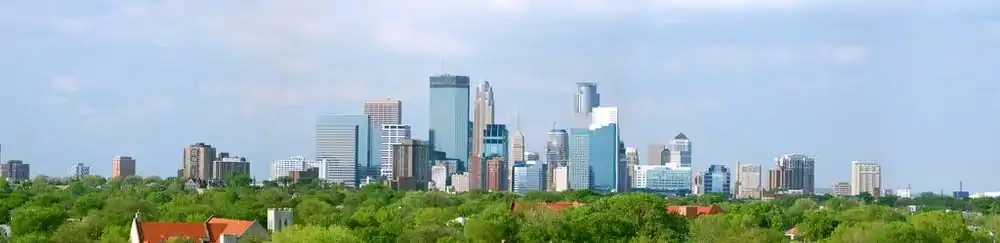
90	83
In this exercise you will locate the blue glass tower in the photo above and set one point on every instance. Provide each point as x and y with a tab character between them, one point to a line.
449	114
717	180
579	157
495	141
605	159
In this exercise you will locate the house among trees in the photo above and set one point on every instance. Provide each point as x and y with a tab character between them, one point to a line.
517	206
213	230
695	211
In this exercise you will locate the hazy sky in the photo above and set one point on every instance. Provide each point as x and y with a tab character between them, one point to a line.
912	85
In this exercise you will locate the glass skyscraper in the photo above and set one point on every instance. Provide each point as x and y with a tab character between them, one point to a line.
717	180
449	117
343	141
680	151
528	176
579	157
495	141
605	152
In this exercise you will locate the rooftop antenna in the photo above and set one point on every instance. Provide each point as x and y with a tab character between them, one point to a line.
442	67
553	126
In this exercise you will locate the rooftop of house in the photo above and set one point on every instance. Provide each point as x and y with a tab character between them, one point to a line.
211	229
547	204
695	211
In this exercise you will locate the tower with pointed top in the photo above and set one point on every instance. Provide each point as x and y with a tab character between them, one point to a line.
516	147
680	151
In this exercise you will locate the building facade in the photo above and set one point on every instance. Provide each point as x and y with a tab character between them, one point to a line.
198	160
15	170
662	178
122	166
380	112
556	153
484	113
560	179
284	167
496	173
748	181
842	189
390	135
866	177
411	168
579	158
79	170
449	117
793	172
586	99
658	154
516	151
717	180
460	182
680	151
528	176
439	177
227	165
604	159
343	142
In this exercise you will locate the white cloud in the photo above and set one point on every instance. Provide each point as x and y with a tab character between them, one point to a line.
743	58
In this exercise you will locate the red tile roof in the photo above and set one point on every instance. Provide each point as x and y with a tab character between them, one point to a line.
212	229
232	226
694	211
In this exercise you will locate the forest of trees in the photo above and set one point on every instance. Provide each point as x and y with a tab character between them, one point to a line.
93	209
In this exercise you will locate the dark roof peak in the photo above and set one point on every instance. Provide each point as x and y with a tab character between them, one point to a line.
681	136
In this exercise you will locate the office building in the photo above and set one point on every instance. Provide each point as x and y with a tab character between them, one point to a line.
585	101
343	141
579	156
663	178
697	184
717	180
380	113
680	151
495	146
285	167
748	181
658	154
122	166
560	180
632	159
15	170
411	169
842	189
79	170
866	177
556	153
227	165
528	176
460	182
516	151
198	160
793	172
449	117
390	135
439	177
496	173
605	161
532	156
484	113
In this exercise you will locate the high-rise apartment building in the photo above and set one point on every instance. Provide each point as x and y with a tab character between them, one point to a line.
391	134
122	166
658	154
380	113
717	180
284	167
585	101
556	154
15	170
560	180
793	172
439	177
79	170
632	159
343	141
866	177
606	164
460	182
680	151
198	160
748	181
411	168
496	173
449	117
227	165
484	113
579	173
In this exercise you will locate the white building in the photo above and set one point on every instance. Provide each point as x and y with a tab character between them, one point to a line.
79	170
279	218
391	134
866	177
439	177
748	181
662	178
460	182
560	177
282	167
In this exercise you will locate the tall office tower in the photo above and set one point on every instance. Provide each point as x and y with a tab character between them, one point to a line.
227	165
410	162
605	152
658	154
285	167
390	134
449	114
585	101
343	141
680	151
122	166
532	156
528	176
476	168
866	177
496	173
198	160
556	154
15	170
578	159
793	172
79	170
748	181
516	152
484	113
495	146
717	180
381	112
632	159
439	177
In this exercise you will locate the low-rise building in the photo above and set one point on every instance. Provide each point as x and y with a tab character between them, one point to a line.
213	230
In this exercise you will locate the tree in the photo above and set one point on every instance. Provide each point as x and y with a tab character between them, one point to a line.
36	220
950	227
315	234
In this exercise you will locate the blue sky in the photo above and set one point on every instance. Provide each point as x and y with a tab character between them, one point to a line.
909	84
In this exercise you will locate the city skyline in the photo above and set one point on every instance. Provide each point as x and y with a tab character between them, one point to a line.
760	80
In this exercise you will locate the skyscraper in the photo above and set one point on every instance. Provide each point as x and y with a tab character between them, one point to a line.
390	134
495	146
586	99
484	113
411	168
449	117
343	141
866	177
556	154
122	166
717	180
496	173
793	172
632	159
198	160
657	154
528	176
381	112
578	174
516	151
748	181
680	151
605	152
